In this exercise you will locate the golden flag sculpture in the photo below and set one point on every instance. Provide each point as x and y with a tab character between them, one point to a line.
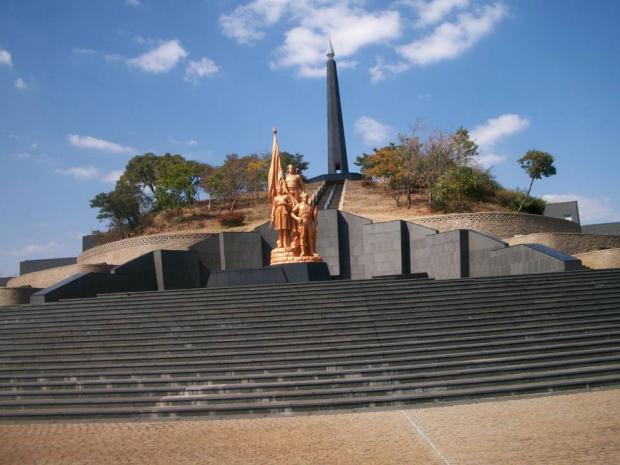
275	168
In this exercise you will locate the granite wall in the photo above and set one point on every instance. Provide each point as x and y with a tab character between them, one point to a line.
463	253
602	228
564	210
570	243
30	266
45	278
601	259
119	252
498	224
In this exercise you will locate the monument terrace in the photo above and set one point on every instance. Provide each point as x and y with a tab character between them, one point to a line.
316	308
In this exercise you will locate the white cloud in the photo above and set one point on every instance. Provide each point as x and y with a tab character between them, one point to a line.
88	142
451	39
90	172
349	27
345	22
31	249
381	70
372	132
590	210
491	132
488	160
80	172
196	70
494	129
353	24
110	57
432	11
20	84
134	3
84	51
113	176
190	142
22	156
246	22
160	59
5	58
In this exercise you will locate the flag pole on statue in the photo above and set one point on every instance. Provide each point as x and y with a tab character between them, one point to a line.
275	168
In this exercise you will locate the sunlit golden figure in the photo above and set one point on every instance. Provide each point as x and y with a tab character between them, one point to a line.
294	183
280	217
306	216
292	215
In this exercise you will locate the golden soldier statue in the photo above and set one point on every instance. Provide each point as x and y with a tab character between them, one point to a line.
280	217
306	217
294	183
292	215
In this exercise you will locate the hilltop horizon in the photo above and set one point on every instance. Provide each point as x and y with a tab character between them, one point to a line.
86	87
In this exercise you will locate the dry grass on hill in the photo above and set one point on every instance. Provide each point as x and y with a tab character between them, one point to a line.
374	202
198	217
361	198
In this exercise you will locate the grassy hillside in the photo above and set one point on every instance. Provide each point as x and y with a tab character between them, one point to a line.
374	202
361	198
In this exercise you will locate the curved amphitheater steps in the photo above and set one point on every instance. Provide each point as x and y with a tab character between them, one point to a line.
306	347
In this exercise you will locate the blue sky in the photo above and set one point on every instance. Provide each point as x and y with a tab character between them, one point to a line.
86	85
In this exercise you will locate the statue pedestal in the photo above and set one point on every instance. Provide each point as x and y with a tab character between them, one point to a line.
282	256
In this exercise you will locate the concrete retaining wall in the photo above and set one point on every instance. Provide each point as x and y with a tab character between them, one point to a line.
525	259
31	266
122	251
45	278
440	255
498	224
351	233
569	243
464	253
602	228
15	295
601	259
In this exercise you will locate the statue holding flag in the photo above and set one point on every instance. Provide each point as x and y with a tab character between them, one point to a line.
292	216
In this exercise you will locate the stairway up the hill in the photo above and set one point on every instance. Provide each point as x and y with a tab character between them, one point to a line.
330	199
306	347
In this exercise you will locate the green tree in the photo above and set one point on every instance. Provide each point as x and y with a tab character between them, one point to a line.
142	170
257	168
464	150
297	160
205	182
437	158
230	180
460	186
536	164
171	180
409	162
383	166
177	181
122	207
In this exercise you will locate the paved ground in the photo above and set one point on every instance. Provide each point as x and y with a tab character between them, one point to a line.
562	429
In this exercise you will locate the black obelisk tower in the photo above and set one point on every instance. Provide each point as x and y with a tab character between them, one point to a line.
336	146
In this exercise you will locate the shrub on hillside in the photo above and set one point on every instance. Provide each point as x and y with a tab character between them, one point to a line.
533	205
460	186
512	199
230	219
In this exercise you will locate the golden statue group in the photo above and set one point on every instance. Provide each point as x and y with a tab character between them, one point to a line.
292	215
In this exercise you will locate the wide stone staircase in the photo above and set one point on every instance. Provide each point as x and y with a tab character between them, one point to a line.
309	347
332	193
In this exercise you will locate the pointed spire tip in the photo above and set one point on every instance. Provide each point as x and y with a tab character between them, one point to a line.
330	51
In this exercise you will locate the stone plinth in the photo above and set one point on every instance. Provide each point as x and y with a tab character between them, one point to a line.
280	256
